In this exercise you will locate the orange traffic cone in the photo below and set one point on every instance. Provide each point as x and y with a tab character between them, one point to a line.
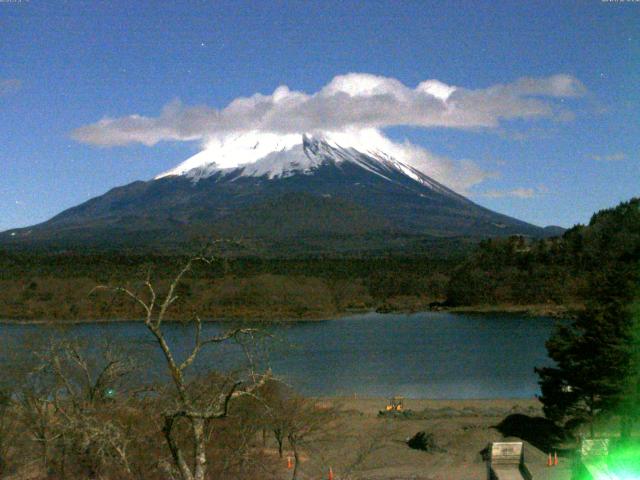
549	461
330	474
289	463
555	458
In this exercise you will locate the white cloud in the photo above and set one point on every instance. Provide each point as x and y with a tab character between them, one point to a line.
459	175
516	193
9	86
353	109
613	157
352	101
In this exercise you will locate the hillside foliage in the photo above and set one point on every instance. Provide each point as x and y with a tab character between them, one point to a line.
501	272
597	363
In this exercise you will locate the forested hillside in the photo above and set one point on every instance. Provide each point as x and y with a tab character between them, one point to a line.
498	274
549	271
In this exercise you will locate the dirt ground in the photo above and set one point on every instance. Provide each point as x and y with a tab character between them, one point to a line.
359	445
363	446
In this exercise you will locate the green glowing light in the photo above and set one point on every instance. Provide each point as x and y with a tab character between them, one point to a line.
622	463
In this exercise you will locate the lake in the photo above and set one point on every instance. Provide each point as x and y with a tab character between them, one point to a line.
423	355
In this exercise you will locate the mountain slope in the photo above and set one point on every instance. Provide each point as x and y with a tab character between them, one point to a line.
312	189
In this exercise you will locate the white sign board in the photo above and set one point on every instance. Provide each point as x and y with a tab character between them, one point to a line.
506	450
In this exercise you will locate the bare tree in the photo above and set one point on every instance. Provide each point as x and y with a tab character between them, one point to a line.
65	404
17	364
195	410
368	445
355	447
7	427
38	416
306	419
294	418
275	416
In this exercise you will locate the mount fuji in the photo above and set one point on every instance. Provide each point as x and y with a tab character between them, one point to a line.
306	193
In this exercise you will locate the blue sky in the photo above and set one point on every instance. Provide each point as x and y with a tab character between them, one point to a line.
65	65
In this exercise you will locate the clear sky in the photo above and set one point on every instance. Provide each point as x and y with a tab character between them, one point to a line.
549	149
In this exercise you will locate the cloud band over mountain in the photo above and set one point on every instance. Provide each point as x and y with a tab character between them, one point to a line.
351	101
354	109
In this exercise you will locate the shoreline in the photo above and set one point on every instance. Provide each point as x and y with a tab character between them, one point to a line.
473	406
543	310
536	310
459	431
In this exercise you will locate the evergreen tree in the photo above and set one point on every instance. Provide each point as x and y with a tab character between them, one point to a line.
591	364
597	369
630	399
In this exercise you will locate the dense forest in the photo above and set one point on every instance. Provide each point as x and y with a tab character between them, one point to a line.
555	270
58	285
502	274
596	371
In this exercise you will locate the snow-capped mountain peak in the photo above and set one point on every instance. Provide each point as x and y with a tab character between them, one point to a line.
230	152
338	190
273	157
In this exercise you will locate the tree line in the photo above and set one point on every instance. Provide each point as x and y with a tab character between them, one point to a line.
497	272
89	409
597	355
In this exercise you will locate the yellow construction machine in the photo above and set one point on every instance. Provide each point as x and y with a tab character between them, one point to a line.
396	404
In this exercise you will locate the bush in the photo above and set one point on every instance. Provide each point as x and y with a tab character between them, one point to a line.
424	441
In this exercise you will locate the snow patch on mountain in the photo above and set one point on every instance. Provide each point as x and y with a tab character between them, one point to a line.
232	151
280	156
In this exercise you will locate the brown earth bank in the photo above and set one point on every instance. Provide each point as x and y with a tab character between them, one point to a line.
359	444
366	446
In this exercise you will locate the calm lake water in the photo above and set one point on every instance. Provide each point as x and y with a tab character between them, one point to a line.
422	355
